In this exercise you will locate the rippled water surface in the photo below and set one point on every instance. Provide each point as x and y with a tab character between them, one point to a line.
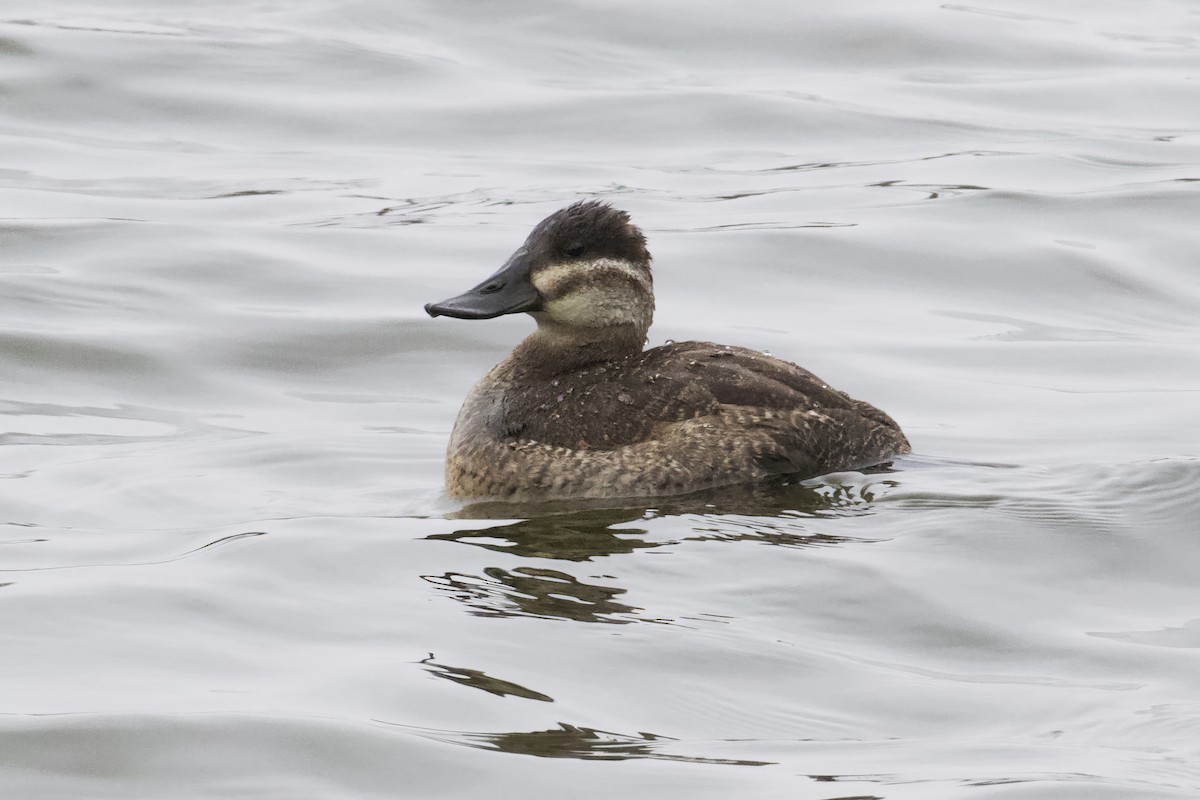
228	565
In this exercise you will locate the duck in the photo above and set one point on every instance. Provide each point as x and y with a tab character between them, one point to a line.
581	409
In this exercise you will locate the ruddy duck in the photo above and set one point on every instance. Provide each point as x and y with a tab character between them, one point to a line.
580	410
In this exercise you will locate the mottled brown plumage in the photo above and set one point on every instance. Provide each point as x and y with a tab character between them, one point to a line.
580	410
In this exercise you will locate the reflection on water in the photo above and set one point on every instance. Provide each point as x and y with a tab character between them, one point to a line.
570	537
764	530
770	512
534	592
778	514
590	744
840	494
480	680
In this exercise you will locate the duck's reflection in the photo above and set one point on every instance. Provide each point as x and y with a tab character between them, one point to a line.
570	741
780	514
845	493
579	536
533	592
478	679
584	530
573	741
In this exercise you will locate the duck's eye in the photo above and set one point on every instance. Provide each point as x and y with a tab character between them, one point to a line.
574	249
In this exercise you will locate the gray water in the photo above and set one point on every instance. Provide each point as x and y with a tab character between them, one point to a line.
228	565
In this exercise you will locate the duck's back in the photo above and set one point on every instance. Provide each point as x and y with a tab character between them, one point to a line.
676	418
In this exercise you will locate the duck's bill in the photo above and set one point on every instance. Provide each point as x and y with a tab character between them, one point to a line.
509	291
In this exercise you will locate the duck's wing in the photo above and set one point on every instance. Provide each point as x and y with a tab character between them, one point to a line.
714	407
780	415
737	376
673	419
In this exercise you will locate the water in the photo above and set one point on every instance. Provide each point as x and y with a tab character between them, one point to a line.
228	565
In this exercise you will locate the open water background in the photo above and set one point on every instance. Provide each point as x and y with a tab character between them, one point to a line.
228	567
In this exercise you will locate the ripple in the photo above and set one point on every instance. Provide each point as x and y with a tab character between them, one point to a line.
1005	14
56	551
1125	498
70	353
64	425
1186	636
105	25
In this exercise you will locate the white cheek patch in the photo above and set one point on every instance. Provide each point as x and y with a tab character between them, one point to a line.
590	308
544	280
595	303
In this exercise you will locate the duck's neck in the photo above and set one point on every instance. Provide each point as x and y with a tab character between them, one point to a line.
555	349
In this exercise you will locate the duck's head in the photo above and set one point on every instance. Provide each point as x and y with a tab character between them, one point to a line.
583	272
